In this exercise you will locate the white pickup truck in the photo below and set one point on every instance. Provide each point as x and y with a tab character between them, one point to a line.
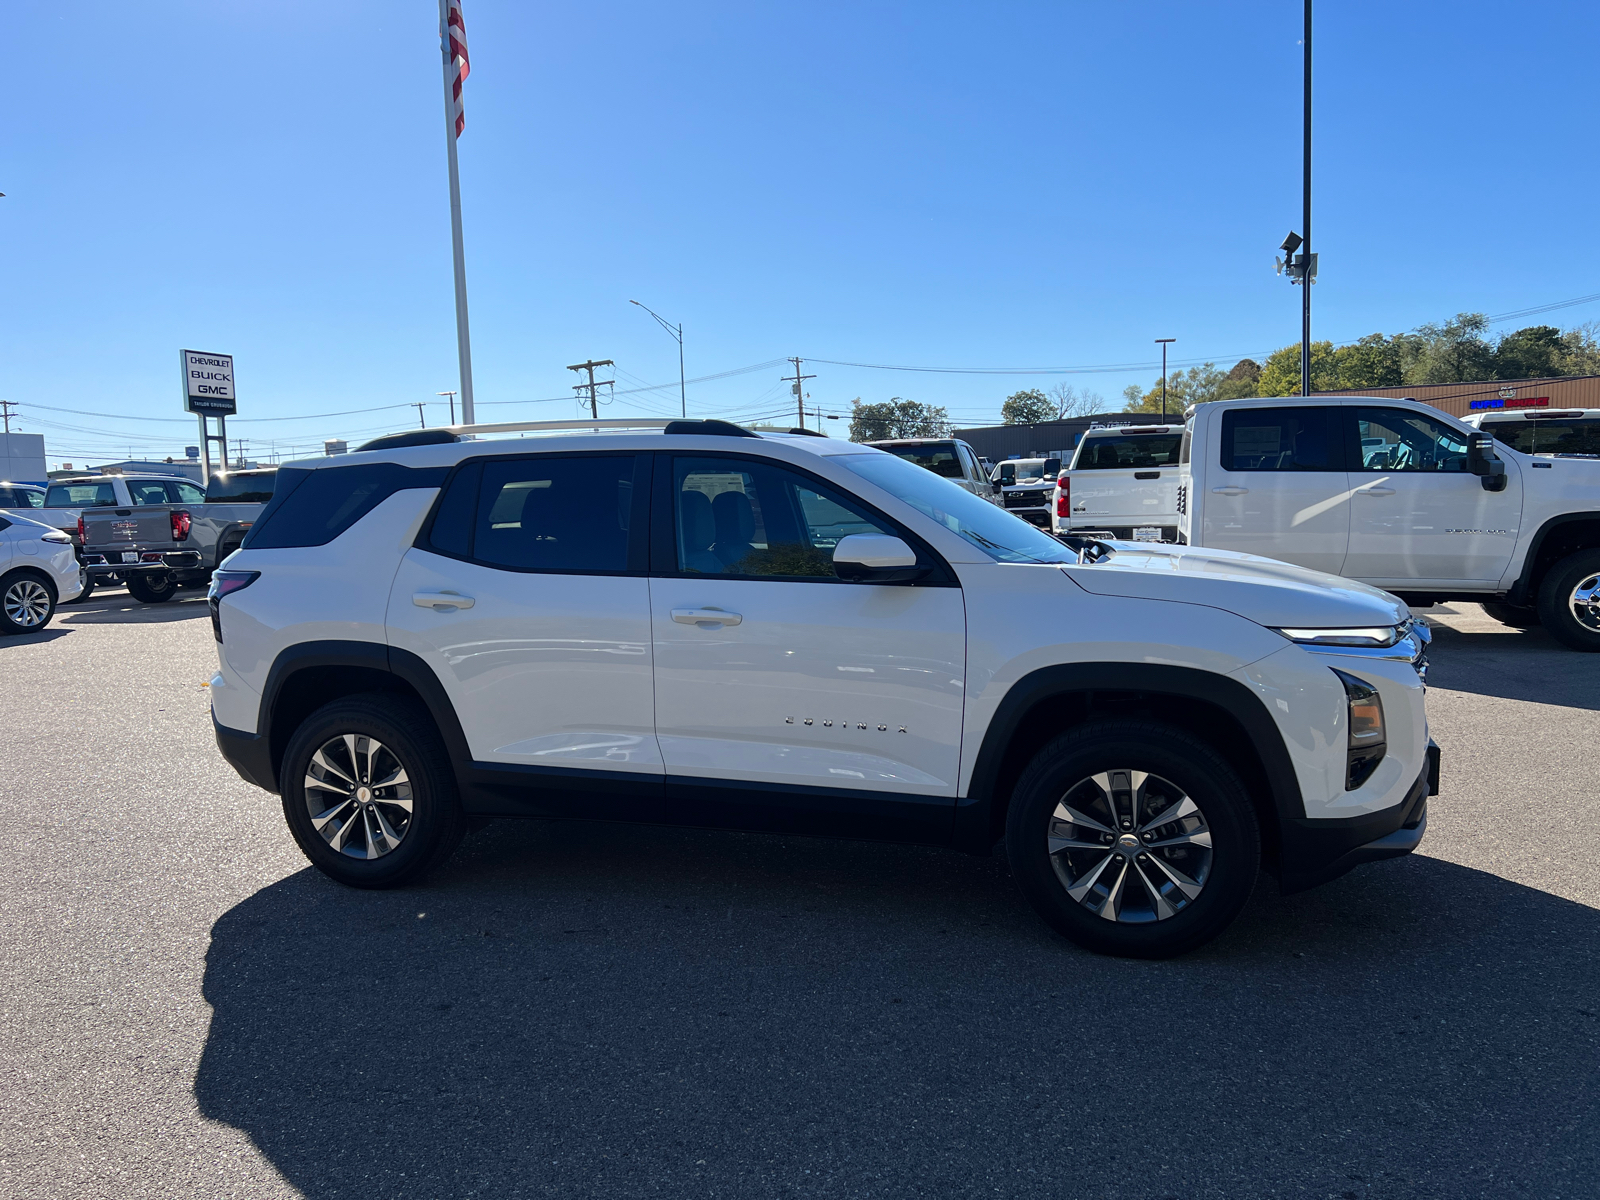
1402	496
1123	483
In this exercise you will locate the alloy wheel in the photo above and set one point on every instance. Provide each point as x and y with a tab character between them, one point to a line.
1585	603
1130	846
358	796
27	603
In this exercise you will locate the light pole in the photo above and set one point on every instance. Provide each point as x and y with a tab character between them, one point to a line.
1302	268
1164	343
452	396
677	332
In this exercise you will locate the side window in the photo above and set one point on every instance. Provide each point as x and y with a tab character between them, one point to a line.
311	507
1393	439
27	498
179	492
741	517
968	465
1279	439
8	498
146	492
545	513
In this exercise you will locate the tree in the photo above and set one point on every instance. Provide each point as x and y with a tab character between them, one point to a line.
1071	402
1581	350
1536	352
1027	407
896	418
1197	385
1240	381
1374	361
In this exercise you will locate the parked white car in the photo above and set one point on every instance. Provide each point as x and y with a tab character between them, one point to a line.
1027	487
1123	483
703	626
1402	496
38	570
949	458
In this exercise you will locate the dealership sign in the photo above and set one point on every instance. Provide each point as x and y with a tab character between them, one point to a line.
208	383
1513	402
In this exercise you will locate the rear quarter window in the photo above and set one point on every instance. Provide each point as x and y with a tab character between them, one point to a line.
241	487
312	507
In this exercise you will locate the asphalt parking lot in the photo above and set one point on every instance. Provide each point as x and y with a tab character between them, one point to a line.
582	1010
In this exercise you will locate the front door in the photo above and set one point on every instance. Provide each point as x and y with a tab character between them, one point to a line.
1417	515
1278	488
786	697
527	597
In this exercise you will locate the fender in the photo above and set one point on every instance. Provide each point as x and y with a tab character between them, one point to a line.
978	811
1524	588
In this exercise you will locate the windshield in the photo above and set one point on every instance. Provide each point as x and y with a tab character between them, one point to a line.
999	534
1575	435
940	457
1026	470
1127	450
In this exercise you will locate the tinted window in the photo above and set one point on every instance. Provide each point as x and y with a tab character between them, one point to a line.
4	524
29	498
739	517
1279	439
80	495
1395	439
553	513
312	507
939	457
241	487
1127	450
180	492
451	532
1574	435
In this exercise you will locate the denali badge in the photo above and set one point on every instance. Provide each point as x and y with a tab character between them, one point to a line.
1496	532
828	724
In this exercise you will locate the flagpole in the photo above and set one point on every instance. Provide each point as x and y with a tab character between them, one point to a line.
463	337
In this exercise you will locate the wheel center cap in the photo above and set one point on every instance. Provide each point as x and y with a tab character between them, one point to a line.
1128	844
363	794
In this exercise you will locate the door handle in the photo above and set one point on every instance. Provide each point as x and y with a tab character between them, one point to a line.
705	617
1375	491
442	601
1230	490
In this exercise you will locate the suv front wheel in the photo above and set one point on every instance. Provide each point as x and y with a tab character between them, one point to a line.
368	792
1133	838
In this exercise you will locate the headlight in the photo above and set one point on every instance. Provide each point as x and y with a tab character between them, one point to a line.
1376	635
1366	742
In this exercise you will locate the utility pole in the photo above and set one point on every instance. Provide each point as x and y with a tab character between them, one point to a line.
417	404
590	386
1163	343
5	410
452	396
1310	272
799	390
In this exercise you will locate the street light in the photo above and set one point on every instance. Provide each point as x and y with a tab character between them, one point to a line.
1302	267
1164	343
452	396
677	332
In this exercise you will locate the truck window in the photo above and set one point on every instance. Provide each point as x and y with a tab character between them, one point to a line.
1571	435
80	495
1279	439
147	491
181	492
940	458
1395	439
1127	450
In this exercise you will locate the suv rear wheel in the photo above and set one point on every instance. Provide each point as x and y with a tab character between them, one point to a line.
1569	600
152	587
368	792
1133	838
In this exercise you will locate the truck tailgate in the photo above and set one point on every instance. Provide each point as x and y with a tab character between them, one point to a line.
1125	496
146	527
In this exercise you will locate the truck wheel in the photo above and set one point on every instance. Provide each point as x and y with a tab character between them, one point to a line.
87	582
1133	838
1569	600
152	587
27	602
368	792
1515	615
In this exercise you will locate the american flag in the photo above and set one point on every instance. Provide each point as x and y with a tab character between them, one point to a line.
455	33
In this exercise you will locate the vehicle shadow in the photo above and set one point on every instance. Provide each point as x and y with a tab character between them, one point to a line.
1513	664
119	608
586	1010
48	634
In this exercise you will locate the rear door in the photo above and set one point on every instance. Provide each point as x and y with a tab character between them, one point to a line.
527	597
1417	515
1276	486
786	697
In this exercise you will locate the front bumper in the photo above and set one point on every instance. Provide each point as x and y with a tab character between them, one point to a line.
1316	851
108	562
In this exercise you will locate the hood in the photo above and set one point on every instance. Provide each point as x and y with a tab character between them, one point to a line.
1263	590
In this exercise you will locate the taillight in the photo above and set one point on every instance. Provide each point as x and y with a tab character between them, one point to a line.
180	524
225	583
82	541
1063	497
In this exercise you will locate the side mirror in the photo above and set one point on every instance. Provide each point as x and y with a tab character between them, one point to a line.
996	486
875	558
1484	463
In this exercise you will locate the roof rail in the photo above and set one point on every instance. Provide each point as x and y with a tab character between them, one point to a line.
712	427
410	437
599	425
807	432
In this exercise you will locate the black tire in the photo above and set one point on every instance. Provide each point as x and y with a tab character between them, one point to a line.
1562	598
406	733
1180	764
1515	615
88	587
152	587
27	601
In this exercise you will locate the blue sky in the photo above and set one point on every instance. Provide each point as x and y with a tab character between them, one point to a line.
1030	185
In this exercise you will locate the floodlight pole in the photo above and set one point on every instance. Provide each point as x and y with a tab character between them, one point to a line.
1163	343
1306	275
677	332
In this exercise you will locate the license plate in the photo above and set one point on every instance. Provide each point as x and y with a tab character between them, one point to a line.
1147	533
130	556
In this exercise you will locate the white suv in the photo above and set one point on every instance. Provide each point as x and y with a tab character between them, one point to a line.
698	625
